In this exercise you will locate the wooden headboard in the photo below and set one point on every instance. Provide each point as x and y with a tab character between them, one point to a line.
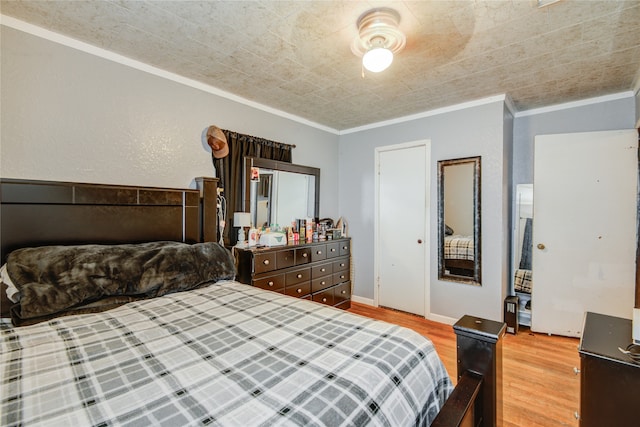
36	213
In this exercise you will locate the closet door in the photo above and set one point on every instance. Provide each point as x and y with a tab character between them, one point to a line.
402	216
584	230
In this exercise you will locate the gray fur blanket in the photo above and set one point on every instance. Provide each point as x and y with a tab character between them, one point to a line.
51	279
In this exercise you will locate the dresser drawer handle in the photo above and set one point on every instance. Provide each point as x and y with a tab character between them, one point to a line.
299	276
265	262
333	249
318	252
345	248
304	255
323	270
299	290
342	277
270	283
342	264
323	283
344	292
324	300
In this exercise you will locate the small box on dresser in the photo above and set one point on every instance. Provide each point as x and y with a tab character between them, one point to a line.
319	271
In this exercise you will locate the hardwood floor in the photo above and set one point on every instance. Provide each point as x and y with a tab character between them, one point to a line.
540	387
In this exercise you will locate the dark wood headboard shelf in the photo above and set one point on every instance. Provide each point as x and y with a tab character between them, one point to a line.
49	212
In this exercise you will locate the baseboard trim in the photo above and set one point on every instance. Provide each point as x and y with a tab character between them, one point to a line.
434	317
442	319
363	300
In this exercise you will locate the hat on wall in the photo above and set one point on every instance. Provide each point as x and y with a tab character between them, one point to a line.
217	141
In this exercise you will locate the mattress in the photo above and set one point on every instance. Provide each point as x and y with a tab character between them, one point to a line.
523	280
459	247
225	355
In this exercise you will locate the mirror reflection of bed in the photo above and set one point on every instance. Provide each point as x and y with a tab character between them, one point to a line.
523	247
459	220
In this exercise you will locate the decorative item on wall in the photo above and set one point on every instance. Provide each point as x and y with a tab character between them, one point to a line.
378	38
218	142
241	220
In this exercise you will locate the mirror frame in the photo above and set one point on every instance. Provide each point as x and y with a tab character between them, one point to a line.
477	271
276	165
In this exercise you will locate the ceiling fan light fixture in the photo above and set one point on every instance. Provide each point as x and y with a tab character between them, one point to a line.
377	59
378	38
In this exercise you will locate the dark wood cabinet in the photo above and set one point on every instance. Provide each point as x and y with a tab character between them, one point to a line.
319	271
609	379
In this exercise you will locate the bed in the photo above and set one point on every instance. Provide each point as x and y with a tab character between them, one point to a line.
196	349
459	255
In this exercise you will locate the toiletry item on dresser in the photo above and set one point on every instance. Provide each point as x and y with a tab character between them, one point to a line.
309	232
302	229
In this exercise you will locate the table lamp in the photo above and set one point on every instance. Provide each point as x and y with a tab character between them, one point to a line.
241	220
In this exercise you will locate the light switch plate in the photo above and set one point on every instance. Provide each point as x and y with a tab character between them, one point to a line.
636	326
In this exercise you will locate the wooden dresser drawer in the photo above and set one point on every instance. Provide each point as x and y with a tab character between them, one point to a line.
272	283
303	256
318	253
333	249
297	276
286	258
264	262
341	276
340	265
298	290
321	283
321	270
342	293
324	297
345	248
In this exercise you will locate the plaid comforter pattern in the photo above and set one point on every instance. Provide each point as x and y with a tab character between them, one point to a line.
522	280
458	247
225	355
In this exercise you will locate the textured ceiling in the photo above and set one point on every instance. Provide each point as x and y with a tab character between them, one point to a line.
295	56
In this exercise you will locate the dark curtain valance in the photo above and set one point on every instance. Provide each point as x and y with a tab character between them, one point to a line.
230	170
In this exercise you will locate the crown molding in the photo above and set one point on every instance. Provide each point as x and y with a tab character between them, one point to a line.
574	104
34	30
429	113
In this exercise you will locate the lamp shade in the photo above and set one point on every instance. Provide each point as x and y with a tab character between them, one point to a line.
377	59
241	219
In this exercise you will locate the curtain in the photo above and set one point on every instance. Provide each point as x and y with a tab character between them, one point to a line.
230	170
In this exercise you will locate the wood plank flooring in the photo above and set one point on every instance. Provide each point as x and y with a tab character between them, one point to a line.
540	388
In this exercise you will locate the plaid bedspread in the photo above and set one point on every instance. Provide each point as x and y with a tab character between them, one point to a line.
228	355
458	247
522	280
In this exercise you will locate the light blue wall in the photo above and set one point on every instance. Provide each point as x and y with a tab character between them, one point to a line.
596	116
70	115
637	108
473	131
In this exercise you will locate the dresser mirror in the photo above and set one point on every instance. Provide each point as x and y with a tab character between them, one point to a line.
459	257
279	192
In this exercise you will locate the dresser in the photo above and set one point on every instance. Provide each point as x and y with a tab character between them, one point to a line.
609	380
319	271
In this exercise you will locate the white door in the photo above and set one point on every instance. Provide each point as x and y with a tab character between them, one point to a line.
402	251
584	228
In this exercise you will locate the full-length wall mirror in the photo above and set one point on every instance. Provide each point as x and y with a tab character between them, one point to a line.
459	257
278	192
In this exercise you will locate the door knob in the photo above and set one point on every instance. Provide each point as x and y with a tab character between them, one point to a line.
419	241
541	246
